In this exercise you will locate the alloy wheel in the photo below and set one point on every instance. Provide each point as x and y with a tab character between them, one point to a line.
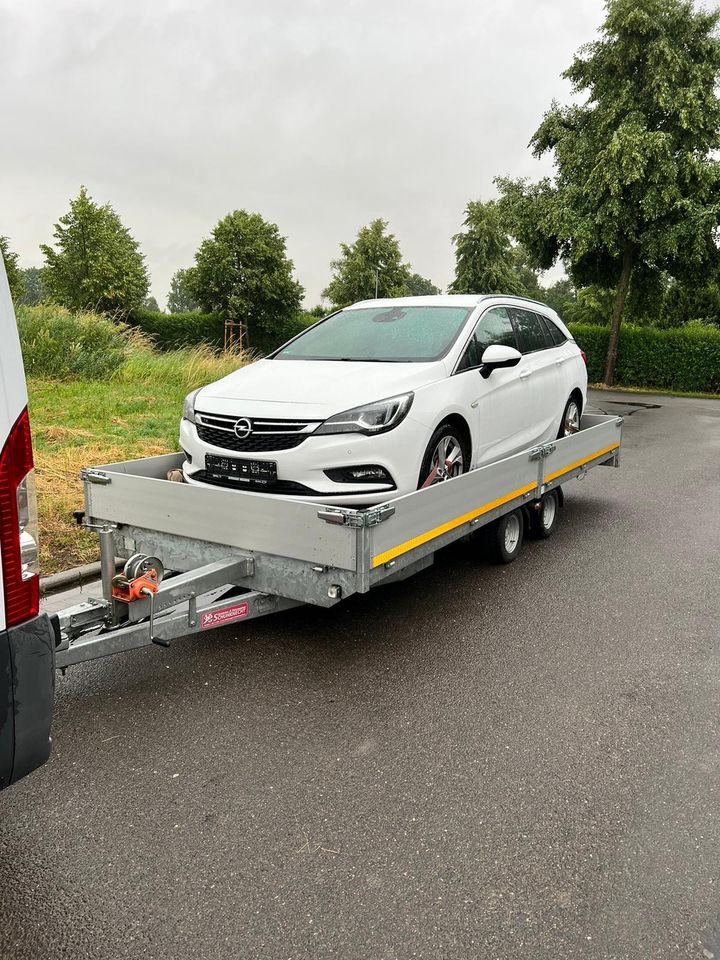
447	461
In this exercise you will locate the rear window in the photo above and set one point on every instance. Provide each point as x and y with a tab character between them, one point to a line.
409	334
531	332
556	334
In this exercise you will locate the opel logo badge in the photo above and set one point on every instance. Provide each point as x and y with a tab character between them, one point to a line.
243	428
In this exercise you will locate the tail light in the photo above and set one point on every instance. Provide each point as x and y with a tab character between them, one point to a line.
19	525
584	356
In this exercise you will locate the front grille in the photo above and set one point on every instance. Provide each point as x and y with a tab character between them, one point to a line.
284	488
266	436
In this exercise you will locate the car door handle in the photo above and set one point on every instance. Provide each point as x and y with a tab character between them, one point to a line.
524	374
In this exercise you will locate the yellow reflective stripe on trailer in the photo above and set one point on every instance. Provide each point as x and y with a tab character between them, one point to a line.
388	555
579	463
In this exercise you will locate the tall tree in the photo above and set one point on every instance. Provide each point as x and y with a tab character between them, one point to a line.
180	299
34	292
242	271
97	264
418	286
370	267
637	186
560	296
527	274
16	280
484	260
151	305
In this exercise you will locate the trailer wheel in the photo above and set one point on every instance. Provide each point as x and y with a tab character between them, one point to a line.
546	517
506	537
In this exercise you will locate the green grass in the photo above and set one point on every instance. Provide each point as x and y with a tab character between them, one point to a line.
87	423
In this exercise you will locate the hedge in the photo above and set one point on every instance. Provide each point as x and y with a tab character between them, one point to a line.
172	330
169	331
682	358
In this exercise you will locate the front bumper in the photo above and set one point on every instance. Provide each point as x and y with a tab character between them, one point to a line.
27	692
303	467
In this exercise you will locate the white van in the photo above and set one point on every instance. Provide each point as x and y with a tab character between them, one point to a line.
27	642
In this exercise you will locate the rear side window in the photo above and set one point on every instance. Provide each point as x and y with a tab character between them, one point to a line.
556	334
531	332
493	327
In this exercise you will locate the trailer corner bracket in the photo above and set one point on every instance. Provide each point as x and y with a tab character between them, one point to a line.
95	476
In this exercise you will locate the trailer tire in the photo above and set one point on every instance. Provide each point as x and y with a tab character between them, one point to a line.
506	536
546	516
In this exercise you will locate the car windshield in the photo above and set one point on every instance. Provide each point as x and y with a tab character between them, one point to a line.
409	334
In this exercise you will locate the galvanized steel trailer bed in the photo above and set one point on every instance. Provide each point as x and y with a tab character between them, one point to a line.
239	555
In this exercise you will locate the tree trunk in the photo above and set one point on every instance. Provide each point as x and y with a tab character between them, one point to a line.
618	305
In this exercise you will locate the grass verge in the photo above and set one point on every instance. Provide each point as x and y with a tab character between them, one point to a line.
84	423
658	393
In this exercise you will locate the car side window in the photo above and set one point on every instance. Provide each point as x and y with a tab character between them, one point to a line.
558	337
530	331
494	326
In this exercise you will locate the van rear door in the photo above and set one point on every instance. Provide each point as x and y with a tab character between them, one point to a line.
27	647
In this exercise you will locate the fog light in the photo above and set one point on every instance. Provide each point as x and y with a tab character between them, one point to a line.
363	473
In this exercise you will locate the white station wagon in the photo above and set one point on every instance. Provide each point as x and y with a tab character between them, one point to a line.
388	396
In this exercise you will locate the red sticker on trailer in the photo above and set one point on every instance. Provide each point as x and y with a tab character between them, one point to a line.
218	618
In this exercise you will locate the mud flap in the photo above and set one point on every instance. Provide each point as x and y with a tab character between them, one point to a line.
27	690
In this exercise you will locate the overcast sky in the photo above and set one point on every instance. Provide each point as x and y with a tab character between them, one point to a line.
319	114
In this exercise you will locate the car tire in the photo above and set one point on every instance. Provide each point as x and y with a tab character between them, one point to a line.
505	537
449	438
570	422
546	517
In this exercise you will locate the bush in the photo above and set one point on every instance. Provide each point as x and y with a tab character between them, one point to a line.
683	358
170	331
61	345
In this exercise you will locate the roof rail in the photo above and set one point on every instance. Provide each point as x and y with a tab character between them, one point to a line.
515	296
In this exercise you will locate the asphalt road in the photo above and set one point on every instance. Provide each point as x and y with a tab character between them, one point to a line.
481	762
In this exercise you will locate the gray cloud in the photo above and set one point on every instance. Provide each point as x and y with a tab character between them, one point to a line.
319	114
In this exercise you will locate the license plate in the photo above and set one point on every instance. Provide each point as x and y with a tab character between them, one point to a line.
260	472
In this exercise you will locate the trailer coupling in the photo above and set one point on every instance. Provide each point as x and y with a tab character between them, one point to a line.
144	608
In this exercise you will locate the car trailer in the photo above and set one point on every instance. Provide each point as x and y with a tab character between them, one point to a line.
200	557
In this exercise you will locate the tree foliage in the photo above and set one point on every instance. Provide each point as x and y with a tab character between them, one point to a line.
15	276
370	266
34	292
180	299
484	260
242	271
151	304
636	187
418	286
97	264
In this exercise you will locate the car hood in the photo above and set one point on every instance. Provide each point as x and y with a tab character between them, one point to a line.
314	388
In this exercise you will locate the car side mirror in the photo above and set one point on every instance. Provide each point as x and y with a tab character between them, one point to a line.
497	356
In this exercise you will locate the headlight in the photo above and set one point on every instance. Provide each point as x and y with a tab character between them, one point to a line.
371	418
189	406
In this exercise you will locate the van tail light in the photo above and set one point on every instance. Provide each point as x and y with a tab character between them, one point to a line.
584	356
19	525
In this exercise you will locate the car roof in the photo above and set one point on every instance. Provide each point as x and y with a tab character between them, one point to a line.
447	300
